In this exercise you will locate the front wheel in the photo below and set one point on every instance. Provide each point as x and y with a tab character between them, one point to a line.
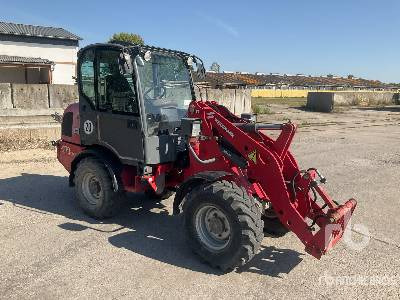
223	224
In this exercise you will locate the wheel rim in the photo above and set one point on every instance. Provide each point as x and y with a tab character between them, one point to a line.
91	188
213	227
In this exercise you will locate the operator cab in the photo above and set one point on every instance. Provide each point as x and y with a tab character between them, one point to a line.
132	98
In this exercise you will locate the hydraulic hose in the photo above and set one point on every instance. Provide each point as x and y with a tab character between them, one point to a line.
207	161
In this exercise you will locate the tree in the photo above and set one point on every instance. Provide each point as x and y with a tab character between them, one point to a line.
127	37
215	67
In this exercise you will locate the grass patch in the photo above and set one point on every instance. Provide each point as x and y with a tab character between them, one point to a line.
291	102
261	110
304	124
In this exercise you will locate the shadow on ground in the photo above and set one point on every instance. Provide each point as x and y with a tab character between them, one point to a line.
148	228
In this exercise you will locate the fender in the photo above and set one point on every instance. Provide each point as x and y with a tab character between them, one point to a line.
112	164
192	182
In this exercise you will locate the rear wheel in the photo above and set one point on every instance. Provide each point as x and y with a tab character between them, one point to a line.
223	224
94	189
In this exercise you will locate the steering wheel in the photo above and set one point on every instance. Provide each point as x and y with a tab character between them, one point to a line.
163	89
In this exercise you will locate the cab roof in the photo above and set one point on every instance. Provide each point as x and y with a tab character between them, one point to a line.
137	48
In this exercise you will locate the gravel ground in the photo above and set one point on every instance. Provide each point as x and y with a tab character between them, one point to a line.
50	249
7	145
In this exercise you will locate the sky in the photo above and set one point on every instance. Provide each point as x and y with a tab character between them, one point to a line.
304	36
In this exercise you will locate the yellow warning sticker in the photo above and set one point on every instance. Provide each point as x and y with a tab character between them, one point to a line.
253	156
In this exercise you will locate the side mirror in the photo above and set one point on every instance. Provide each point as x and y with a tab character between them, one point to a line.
125	63
201	71
139	61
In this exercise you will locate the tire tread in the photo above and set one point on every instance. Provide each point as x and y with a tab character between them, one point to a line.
248	215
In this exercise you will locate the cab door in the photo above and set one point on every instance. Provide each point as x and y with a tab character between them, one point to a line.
115	119
119	126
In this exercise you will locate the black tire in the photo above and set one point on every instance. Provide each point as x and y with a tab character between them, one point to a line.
107	202
241	212
158	197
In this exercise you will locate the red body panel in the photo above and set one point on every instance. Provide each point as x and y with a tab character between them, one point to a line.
70	146
75	139
67	152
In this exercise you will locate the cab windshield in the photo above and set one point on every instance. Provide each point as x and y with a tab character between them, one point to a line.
165	84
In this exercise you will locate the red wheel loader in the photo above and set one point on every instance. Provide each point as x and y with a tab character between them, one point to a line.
138	128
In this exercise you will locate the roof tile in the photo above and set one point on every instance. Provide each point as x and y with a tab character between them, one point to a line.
24	60
38	31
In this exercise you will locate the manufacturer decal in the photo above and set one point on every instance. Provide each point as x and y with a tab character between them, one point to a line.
210	115
220	124
67	150
253	156
88	127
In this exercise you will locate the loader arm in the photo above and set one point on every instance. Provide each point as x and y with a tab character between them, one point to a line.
268	171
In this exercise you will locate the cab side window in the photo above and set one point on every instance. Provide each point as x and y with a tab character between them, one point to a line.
116	91
87	78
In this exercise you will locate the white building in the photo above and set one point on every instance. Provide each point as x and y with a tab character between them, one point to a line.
37	54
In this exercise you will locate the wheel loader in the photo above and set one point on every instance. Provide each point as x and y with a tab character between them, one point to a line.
138	128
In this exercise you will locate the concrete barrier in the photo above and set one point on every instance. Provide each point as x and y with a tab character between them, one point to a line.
279	93
303	93
243	102
30	96
320	101
62	95
30	117
397	98
56	96
364	98
225	97
5	96
238	101
37	96
326	101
